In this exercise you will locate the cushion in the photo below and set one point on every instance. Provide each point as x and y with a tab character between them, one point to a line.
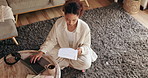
23	4
7	29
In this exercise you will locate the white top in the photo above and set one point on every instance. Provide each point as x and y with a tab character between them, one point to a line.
71	37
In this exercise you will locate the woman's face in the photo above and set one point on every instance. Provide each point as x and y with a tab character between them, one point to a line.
71	19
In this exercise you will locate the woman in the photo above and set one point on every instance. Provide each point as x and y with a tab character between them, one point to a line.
69	32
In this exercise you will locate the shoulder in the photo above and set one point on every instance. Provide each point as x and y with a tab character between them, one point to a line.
82	22
60	20
59	24
83	25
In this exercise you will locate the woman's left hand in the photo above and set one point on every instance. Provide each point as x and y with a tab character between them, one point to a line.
79	51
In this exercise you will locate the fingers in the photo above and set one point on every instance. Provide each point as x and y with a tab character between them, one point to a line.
31	59
79	51
39	57
35	58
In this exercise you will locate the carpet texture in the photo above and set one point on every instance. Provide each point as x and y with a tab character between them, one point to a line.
120	42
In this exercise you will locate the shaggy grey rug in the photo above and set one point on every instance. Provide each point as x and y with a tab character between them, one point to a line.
120	42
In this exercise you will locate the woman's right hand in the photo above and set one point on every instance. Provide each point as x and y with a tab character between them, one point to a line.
36	57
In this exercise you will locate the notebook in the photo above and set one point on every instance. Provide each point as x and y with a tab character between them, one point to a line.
68	53
37	67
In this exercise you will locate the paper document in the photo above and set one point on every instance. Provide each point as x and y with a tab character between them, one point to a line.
68	53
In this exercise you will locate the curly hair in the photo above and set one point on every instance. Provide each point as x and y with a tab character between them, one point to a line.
73	7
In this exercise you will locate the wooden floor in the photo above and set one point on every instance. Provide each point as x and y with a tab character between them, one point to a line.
46	14
142	17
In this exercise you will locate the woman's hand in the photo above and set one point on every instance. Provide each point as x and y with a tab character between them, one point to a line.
79	51
36	57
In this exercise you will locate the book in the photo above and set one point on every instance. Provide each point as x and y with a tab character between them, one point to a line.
37	67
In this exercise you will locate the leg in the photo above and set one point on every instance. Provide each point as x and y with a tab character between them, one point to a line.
83	62
115	0
16	18
87	3
13	38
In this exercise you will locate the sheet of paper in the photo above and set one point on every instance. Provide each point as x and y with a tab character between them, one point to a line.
68	53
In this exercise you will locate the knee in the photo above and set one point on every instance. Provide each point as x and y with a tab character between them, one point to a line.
86	65
83	65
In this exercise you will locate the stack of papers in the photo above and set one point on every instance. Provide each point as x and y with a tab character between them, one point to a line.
68	53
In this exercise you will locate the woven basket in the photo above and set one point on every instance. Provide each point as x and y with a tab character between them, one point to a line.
131	6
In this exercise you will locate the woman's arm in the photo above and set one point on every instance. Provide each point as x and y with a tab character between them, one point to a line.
86	43
50	42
